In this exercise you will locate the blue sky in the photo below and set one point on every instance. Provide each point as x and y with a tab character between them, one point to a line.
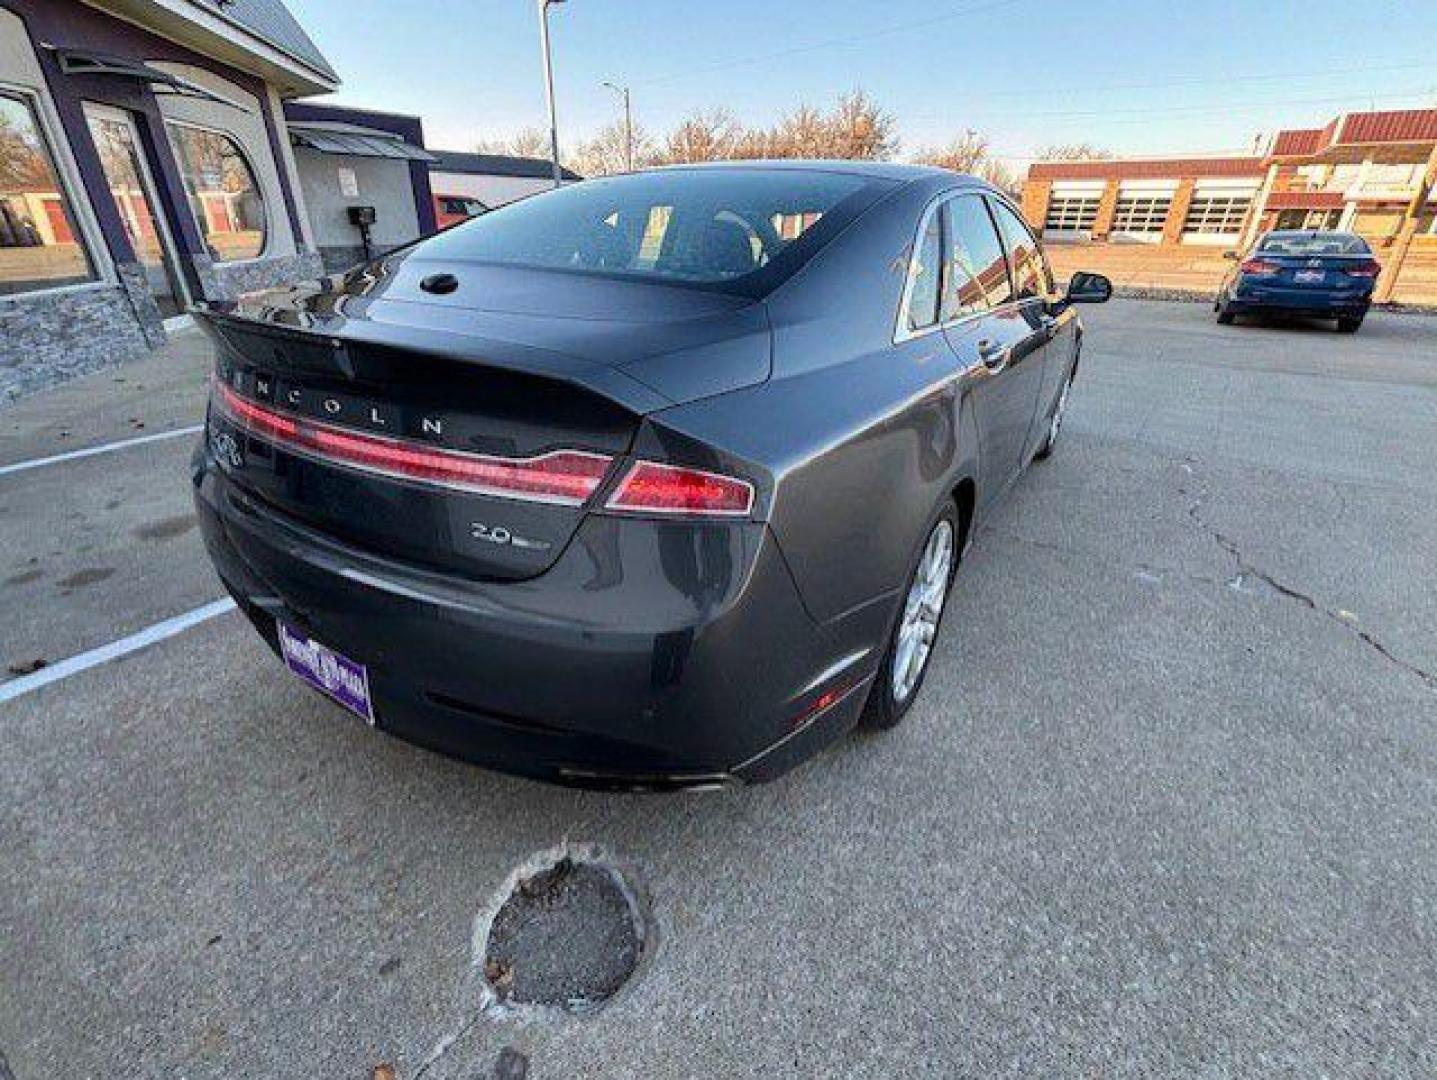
1135	77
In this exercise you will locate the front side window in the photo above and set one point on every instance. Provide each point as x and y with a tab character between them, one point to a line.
977	277
222	191
1031	277
40	244
736	230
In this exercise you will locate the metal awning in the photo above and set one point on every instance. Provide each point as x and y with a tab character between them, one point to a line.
351	140
89	62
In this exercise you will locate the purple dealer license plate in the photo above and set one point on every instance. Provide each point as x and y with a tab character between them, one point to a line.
327	671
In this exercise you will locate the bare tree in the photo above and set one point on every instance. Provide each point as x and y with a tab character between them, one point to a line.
606	152
803	133
1078	151
711	135
964	154
971	153
859	129
22	164
531	142
856	128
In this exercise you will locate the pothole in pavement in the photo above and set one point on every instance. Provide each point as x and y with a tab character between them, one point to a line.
569	935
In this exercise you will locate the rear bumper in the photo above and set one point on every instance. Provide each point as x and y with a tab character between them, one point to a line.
652	654
1317	302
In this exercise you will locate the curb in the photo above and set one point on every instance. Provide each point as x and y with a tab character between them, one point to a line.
1196	296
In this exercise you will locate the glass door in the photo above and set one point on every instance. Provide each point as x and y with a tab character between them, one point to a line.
133	189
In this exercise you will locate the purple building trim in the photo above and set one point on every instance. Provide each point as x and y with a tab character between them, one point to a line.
408	128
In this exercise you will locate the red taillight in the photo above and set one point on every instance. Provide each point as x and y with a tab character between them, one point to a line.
1259	267
651	488
1369	269
567	477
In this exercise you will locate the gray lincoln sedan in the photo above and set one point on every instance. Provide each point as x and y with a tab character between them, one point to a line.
654	481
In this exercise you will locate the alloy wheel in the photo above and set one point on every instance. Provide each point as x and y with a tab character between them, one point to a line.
922	610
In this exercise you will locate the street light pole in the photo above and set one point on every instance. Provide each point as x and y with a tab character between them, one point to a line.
549	87
623	91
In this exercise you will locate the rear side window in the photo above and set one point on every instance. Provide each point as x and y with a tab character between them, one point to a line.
977	277
734	229
924	276
1030	273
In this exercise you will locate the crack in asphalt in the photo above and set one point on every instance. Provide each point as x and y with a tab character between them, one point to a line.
1291	592
447	1043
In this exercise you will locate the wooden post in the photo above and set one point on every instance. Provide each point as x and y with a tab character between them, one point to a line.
1178	212
1387	284
1107	207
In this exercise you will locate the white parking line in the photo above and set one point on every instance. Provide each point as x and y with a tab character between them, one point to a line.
105	448
73	665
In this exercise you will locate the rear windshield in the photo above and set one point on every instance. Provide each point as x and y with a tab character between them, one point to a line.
734	229
1314	244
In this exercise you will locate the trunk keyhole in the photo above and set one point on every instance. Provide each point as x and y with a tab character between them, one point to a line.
439	284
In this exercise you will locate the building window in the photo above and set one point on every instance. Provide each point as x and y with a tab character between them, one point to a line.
1141	213
1217	213
462	207
1318	220
1071	213
40	242
223	194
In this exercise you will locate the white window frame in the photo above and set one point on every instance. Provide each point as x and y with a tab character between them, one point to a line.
245	155
72	188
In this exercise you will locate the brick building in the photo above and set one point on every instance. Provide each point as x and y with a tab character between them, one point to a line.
1371	172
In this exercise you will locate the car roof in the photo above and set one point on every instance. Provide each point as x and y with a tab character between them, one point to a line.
883	170
1314	233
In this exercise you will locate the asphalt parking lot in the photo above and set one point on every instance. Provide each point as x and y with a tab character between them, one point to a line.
1166	807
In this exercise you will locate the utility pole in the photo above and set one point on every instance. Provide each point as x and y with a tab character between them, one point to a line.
623	91
549	87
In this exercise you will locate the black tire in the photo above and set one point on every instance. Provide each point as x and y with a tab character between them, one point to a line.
1225	316
1349	325
884	708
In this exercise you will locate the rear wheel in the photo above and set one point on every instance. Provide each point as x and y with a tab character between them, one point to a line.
1349	325
1224	316
916	631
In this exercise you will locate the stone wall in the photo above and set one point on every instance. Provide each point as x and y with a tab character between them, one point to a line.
47	338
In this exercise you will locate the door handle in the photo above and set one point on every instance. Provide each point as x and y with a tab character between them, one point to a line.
994	354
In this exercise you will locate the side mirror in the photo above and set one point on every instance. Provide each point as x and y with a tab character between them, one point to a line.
1086	288
1232	256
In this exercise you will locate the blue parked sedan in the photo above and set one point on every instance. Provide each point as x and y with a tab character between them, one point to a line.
1328	275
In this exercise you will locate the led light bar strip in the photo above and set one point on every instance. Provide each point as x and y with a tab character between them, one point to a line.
565	477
